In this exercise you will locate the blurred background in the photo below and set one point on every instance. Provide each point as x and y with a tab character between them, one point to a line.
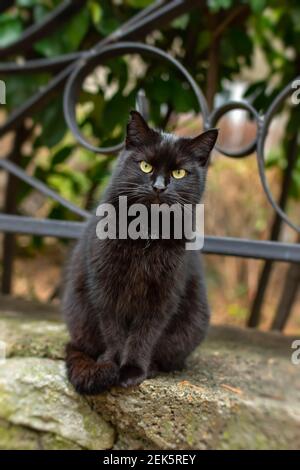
234	50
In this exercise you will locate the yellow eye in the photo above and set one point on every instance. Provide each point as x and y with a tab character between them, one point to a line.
146	167
178	174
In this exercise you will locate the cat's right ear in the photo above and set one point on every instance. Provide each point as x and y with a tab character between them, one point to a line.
202	145
138	131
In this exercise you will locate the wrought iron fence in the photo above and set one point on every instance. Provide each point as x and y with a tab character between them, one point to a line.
69	72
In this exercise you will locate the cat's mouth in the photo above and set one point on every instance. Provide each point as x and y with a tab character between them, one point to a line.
150	198
163	197
156	199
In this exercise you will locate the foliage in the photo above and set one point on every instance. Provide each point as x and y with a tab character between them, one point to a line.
236	28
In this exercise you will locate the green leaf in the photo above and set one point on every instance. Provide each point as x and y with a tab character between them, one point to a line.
66	40
274	158
20	88
115	115
10	29
53	124
61	155
96	12
181	22
27	3
39	12
118	70
257	5
107	25
216	5
183	98
138	3
295	186
203	41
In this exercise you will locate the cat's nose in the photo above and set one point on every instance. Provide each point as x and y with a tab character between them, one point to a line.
159	184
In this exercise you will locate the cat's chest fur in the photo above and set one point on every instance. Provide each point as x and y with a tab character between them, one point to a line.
136	276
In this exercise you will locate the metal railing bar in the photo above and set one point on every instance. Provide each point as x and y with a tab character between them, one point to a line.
43	188
260	154
39	65
170	11
244	248
50	64
42	227
45	27
255	249
35	101
134	25
70	67
77	77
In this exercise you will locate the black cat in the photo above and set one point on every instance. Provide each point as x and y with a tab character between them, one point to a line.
137	307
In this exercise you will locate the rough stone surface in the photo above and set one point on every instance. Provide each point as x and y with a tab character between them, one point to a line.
29	331
240	391
34	394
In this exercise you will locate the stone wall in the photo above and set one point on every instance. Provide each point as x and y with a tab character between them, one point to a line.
240	391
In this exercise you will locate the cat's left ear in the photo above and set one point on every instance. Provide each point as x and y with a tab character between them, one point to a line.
202	145
138	131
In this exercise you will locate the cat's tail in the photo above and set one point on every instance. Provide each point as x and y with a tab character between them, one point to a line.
87	376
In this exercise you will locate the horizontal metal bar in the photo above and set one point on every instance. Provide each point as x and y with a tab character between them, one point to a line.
256	249
43	227
39	65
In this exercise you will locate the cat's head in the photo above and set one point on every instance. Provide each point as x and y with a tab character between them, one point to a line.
161	168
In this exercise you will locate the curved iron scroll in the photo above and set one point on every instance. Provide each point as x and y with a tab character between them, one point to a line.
73	68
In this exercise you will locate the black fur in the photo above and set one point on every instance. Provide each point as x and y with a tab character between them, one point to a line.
134	308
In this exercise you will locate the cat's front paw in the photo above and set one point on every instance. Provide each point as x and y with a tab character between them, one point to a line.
131	375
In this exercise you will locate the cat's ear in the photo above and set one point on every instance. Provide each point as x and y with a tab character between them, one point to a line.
202	145
138	131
